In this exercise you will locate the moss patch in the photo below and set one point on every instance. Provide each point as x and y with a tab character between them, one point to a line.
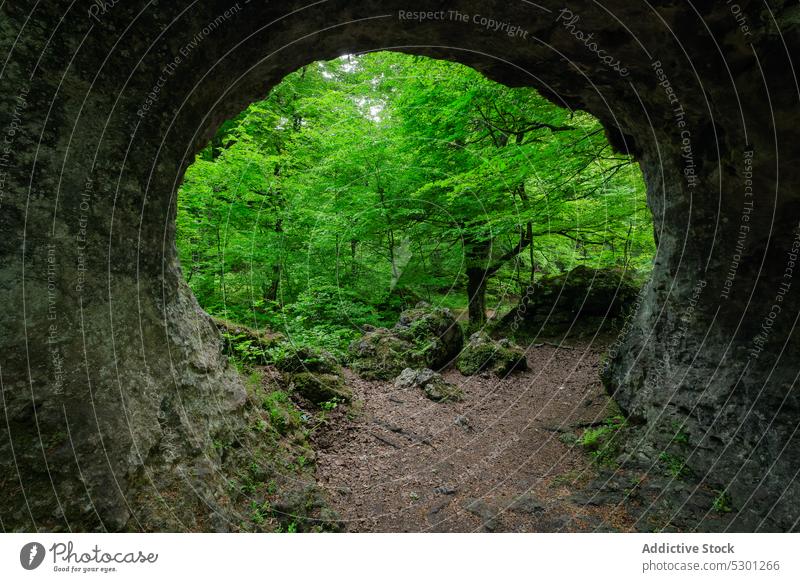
424	337
319	388
483	353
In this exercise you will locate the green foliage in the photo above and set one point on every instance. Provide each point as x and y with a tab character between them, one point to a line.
680	437
362	185
674	465
722	502
245	349
291	527
283	415
603	441
330	404
259	513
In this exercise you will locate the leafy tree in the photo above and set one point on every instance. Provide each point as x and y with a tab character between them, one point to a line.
366	183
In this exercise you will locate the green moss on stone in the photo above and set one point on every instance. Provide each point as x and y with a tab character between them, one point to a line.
319	388
482	353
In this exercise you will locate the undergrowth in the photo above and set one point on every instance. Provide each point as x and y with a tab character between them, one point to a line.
603	442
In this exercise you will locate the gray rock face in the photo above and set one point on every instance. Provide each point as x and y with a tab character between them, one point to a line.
432	384
582	292
527	503
411	378
113	385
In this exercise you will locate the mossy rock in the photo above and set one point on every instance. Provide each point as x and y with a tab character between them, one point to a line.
485	354
380	355
282	414
243	342
307	359
263	336
318	388
424	337
579	293
306	508
439	390
433	331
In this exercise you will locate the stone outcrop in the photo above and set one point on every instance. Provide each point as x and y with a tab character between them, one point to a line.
482	353
424	337
583	292
114	386
313	374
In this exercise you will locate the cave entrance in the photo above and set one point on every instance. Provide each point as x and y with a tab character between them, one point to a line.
382	219
115	394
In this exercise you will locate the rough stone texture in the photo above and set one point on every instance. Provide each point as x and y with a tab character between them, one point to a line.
267	487
434	332
411	378
314	374
113	388
482	353
423	337
580	293
380	355
305	508
487	513
432	384
527	503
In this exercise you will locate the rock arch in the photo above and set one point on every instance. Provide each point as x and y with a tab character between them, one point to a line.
112	385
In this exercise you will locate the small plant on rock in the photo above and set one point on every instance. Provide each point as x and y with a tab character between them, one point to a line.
722	502
675	465
602	441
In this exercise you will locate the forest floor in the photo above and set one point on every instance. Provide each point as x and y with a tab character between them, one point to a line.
503	459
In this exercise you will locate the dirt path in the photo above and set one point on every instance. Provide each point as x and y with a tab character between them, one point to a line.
493	462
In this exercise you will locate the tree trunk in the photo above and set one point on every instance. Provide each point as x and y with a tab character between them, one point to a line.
476	292
477	254
271	291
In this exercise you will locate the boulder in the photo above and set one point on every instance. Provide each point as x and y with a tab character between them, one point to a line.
488	514
379	355
434	332
580	293
483	353
313	374
432	384
527	503
424	337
